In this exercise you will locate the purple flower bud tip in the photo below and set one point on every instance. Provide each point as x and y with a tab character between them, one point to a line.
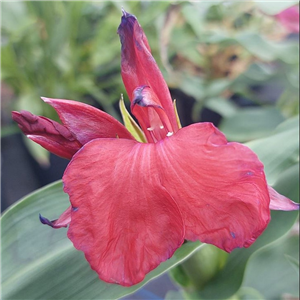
45	220
126	14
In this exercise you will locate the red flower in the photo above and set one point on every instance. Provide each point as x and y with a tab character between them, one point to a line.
133	203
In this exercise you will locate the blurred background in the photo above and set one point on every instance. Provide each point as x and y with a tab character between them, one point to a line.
235	64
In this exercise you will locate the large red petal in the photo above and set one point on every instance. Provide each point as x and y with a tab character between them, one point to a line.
138	67
219	187
87	122
124	221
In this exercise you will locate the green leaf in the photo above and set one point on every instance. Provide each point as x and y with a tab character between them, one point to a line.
250	123
279	151
289	124
246	293
200	268
193	86
179	276
9	130
288	103
41	155
214	88
174	295
222	106
194	16
268	50
15	19
39	262
258	72
269	272
294	262
130	124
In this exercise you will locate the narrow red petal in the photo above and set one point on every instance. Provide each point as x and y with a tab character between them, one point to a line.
87	122
280	202
63	221
138	67
126	222
51	135
220	187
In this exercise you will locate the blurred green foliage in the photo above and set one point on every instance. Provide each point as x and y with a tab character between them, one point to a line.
217	50
209	50
63	49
